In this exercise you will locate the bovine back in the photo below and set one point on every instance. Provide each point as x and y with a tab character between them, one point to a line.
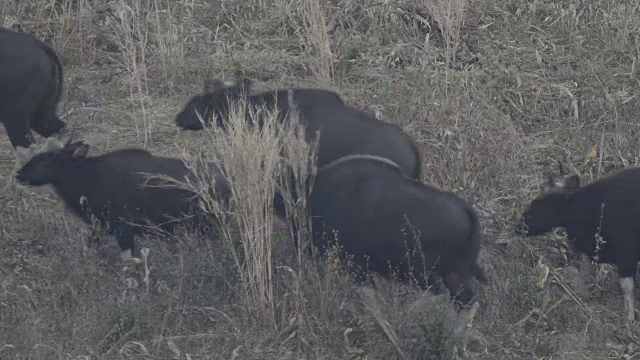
626	181
618	193
347	131
305	99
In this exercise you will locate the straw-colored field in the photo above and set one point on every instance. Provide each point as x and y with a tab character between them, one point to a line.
495	93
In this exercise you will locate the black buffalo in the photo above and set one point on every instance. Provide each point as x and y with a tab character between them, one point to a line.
31	81
389	221
609	207
115	188
344	130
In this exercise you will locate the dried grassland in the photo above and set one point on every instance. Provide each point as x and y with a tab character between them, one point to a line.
495	92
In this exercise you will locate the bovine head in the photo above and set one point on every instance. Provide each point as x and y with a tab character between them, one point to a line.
213	102
547	210
458	281
43	168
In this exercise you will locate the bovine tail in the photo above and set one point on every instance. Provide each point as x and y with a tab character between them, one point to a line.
59	72
473	247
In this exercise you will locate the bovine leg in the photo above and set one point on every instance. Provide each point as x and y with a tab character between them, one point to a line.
18	131
20	136
626	260
48	127
627	286
124	235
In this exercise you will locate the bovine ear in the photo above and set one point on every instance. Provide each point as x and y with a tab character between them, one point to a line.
572	183
211	86
80	151
554	184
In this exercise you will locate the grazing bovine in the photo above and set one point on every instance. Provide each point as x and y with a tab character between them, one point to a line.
30	87
389	221
218	97
116	188
344	130
609	207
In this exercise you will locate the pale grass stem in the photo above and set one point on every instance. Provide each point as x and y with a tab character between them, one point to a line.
168	35
449	14
144	29
131	35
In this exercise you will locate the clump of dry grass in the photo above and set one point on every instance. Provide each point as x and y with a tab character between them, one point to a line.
249	156
132	40
318	38
258	155
147	32
449	15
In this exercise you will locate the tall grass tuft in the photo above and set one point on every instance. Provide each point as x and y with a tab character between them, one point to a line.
258	155
449	14
131	36
317	38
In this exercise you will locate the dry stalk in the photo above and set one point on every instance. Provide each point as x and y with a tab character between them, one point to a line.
449	14
131	36
317	37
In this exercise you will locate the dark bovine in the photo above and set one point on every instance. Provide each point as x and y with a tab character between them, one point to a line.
116	188
217	99
31	81
380	216
609	207
344	130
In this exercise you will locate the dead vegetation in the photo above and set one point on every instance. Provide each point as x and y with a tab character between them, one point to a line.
496	93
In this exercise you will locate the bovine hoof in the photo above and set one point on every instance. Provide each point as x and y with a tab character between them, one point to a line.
133	261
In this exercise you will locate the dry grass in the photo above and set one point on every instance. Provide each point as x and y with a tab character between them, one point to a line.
255	162
496	93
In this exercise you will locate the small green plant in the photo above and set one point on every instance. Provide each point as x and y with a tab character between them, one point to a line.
435	338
